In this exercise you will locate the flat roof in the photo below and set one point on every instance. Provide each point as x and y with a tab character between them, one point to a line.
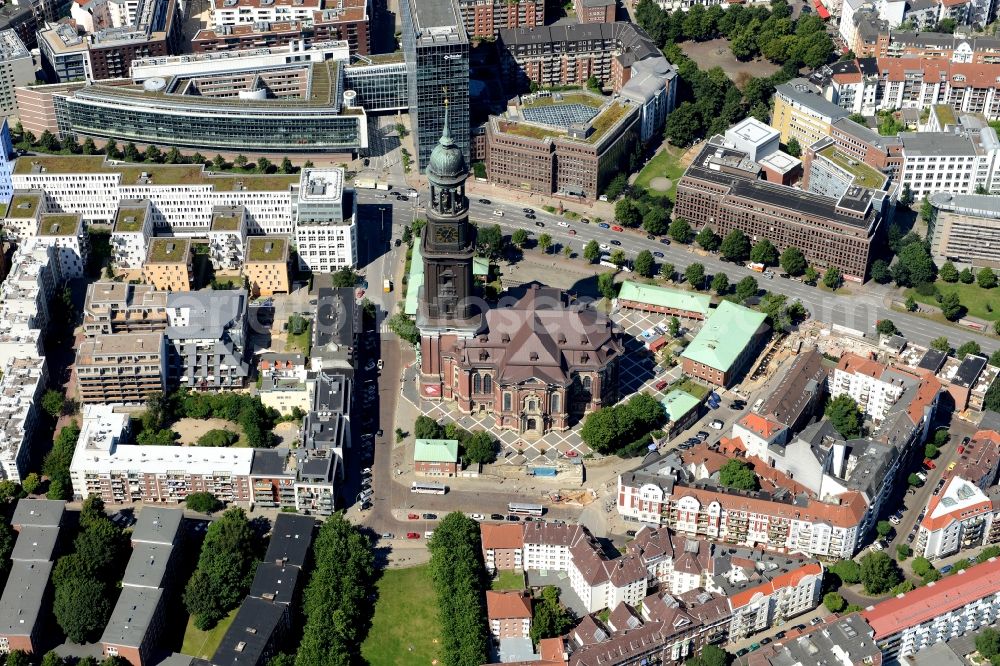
132	617
24	204
675	299
430	14
227	218
131	216
937	144
801	92
35	543
271	249
250	633
779	161
147	567
59	224
21	603
436	450
753	131
724	336
864	175
275	582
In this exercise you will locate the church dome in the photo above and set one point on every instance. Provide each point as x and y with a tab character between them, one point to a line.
447	162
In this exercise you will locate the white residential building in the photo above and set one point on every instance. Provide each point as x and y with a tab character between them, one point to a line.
26	207
757	433
951	607
227	237
235	12
16	69
64	233
131	234
871	384
29	287
21	389
958	517
325	233
954	162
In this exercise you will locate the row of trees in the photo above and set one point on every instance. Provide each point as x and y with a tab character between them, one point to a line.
459	581
57	461
623	428
335	601
226	566
477	446
985	277
254	418
86	580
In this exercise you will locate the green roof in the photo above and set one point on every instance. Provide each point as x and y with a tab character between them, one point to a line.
130	218
169	250
266	248
945	115
864	175
436	450
679	404
480	266
651	294
59	224
584	98
228	220
415	280
724	336
24	204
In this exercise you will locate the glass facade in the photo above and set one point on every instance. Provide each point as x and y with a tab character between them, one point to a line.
379	87
437	59
287	128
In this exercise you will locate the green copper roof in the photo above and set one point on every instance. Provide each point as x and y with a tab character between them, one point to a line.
436	450
447	160
724	335
679	404
665	298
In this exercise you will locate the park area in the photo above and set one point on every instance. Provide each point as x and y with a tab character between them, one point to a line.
716	53
980	303
662	172
405	628
190	431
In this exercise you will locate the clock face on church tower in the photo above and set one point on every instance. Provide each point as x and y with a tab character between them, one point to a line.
445	234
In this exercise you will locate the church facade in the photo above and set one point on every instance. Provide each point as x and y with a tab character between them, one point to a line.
535	363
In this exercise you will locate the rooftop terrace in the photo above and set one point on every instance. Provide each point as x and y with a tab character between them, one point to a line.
130	218
864	175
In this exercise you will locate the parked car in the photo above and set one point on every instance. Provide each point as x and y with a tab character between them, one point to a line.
430	516
604	225
778	636
665	241
496	516
512	518
387	535
370	365
929	464
485	202
562	223
413	535
528	210
630	533
946	568
765	640
615	227
952	465
615	242
716	424
702	435
815	621
650	237
413	516
660	385
478	516
428	534
539	224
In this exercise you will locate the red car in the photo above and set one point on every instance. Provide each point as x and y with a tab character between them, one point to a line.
571	454
413	535
413	516
661	385
961	449
616	228
929	464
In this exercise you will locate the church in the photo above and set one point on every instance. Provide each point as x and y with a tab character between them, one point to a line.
534	362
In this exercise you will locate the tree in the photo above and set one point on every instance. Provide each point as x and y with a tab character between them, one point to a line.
810	276
793	261
48	141
930	450
883	527
344	278
545	242
986	278
948	272
198	159
70	144
618	258
845	416
287	166
667	271
941	344
684	125
832	279
427	428
738	474
879	573
240	161
695	274
592	251
880	271
131	153
218	163
481	448
88	148
764	252
18	658
995	359
921	565
225	569
903	551
519	238
30	483
173	156
746	288
711	655
834	602
951	306
708	239
674	327
550	618
627	213
10	490
606	285
793	148
92	511
914	265
152	154
914	481
52	659
966	276
53	402
735	246
218	437
886	327
848	571
489	240
616	187
82	608
644	263
968	347
263	165
680	231
655	221
720	283
988	642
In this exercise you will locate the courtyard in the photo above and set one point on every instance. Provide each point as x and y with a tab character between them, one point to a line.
716	53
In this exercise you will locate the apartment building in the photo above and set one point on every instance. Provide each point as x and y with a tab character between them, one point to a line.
28	289
16	69
119	307
727	342
207	335
940	611
121	473
169	264
486	19
227	237
595	11
800	112
503	546
874	386
131	233
799	393
509	614
325	215
247	25
965	228
721	189
959	163
23	212
64	233
21	387
139	616
283	382
266	265
835	640
27	597
122	367
832	172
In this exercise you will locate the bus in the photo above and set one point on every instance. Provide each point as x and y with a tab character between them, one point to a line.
429	488
525	509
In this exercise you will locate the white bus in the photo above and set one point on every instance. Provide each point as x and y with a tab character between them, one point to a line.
525	509
428	488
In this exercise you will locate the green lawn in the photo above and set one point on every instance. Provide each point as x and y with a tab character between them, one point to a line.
509	580
972	296
202	644
694	388
301	342
665	163
405	628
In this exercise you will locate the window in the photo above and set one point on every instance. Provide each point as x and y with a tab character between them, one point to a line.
554	403
506	402
487	384
477	383
586	383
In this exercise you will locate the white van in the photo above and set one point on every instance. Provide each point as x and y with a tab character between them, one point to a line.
428	534
498	213
365	494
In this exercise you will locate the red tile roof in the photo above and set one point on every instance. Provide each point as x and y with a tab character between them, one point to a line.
926	394
925	603
764	428
789	579
859	365
848	513
934	523
507	605
501	536
729	446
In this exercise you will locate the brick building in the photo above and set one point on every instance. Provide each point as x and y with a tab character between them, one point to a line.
725	345
436	457
509	614
486	19
502	546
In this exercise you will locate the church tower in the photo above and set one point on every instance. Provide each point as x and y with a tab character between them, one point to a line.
447	244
